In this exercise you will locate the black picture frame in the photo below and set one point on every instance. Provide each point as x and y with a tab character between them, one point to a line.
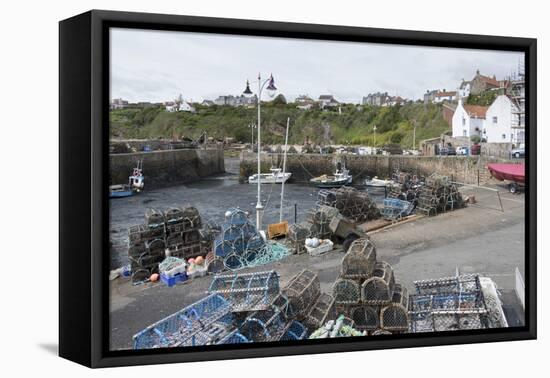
83	196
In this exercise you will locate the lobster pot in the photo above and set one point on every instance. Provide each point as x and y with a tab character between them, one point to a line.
294	330
267	325
297	235
358	263
247	291
458	284
395	317
197	324
447	311
302	292
233	337
136	249
173	215
319	219
156	247
322	311
366	318
378	289
154	218
214	264
346	292
174	242
142	233
191	218
350	202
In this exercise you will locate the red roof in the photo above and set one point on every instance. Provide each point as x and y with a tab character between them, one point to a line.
489	80
476	111
445	94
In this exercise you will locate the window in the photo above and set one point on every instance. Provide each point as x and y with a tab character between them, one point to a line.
495	119
464	132
463	121
503	136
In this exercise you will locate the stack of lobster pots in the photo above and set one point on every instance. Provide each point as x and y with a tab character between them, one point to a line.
366	292
146	246
175	232
183	235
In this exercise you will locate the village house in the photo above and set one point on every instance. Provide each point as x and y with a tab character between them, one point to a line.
439	96
468	120
118	103
497	123
328	101
442	96
394	100
481	83
464	89
208	103
304	102
376	99
172	106
231	100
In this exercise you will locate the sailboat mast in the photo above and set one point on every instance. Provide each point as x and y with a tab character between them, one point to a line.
284	170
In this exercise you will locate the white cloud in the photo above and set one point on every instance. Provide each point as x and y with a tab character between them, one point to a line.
157	65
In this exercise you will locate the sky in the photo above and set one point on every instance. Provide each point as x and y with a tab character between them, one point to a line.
156	66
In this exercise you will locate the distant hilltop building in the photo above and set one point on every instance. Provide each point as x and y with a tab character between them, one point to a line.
305	102
175	106
438	96
382	99
118	103
328	101
231	100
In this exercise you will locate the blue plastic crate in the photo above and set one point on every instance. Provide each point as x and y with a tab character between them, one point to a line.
171	281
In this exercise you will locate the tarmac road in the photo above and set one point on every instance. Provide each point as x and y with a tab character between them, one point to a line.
478	239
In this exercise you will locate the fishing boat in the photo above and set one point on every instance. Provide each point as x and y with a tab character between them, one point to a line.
135	184
340	178
376	182
514	173
277	176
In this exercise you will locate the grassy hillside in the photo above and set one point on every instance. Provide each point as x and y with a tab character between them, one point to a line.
354	125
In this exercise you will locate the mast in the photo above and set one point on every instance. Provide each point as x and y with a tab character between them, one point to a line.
284	170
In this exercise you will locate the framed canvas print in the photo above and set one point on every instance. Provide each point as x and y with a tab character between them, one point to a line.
235	188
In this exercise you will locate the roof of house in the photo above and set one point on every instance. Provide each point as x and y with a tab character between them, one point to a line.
326	97
445	94
489	80
477	111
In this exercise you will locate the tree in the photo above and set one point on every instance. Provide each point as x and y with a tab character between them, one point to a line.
475	138
279	100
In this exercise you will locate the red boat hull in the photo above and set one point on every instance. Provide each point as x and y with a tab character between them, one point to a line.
508	171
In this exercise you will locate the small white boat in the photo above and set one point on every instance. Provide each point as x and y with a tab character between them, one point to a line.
376	182
340	178
277	176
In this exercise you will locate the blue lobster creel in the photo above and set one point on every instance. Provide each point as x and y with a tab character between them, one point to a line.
178	328
295	331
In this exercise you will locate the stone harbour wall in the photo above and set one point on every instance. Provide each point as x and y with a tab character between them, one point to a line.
166	168
303	167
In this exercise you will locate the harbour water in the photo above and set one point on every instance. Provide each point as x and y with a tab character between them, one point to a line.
212	197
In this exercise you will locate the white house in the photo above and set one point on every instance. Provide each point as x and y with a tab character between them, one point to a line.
464	89
498	127
494	124
444	95
183	107
468	120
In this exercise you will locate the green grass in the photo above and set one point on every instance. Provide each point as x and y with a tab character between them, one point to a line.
353	126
